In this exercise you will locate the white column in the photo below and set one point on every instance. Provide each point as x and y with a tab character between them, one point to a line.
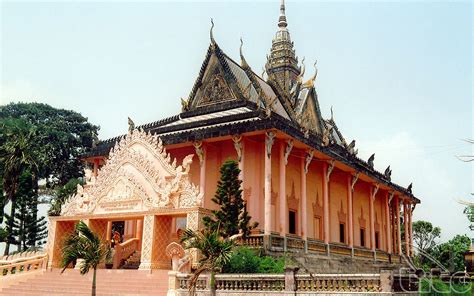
269	138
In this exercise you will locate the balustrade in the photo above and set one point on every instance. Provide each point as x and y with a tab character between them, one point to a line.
252	241
124	250
23	263
338	282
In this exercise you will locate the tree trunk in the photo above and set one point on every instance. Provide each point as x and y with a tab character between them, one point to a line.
212	284
93	281
10	226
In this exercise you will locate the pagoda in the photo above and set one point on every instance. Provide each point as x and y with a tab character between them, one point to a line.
302	181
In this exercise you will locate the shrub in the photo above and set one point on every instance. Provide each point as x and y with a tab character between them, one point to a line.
438	287
245	260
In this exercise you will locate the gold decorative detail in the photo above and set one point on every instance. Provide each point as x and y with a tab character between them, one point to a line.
310	82
327	136
184	105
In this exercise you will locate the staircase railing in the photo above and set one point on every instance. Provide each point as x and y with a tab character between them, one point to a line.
124	250
23	263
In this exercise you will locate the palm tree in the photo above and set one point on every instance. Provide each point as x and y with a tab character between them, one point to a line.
84	244
18	153
215	253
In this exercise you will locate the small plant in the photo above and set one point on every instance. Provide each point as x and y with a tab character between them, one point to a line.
245	260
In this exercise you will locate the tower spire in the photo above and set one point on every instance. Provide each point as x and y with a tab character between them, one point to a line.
282	19
282	64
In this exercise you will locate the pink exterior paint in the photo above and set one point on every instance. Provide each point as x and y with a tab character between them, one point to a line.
303	207
350	210
283	228
326	204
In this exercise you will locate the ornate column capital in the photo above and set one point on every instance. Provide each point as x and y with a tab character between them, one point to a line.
198	146
309	157
289	147
375	190
269	140
331	164
237	139
354	179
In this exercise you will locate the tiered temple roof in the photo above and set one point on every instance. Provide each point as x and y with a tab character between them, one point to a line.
228	98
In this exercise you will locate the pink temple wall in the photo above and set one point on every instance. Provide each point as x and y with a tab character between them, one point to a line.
253	186
361	212
337	204
315	200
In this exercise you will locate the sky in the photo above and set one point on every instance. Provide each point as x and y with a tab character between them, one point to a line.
398	74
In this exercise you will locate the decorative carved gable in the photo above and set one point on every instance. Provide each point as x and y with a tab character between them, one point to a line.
213	86
138	176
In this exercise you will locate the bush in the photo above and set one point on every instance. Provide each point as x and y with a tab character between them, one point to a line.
433	287
245	260
438	287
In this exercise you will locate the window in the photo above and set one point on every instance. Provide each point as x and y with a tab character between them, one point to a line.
292	222
362	237
341	233
377	240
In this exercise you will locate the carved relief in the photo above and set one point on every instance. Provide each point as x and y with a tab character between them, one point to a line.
269	139
138	176
199	151
238	146
292	201
215	90
309	157
147	241
289	147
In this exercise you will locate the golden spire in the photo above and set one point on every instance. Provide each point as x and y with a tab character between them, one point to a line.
282	19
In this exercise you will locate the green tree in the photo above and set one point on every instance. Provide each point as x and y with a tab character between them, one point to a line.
451	253
64	136
425	235
215	253
61	193
232	216
84	244
18	152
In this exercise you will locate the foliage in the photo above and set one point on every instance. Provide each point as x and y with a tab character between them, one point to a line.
62	134
61	194
3	234
19	152
232	216
451	253
433	287
425	235
215	253
26	231
245	260
84	244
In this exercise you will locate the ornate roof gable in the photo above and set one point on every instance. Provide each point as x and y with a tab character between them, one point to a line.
215	83
138	176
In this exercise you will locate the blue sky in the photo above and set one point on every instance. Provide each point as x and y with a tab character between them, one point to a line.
398	74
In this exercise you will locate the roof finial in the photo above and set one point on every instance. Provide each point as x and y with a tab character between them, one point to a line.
210	33
332	115
282	19
310	82
242	59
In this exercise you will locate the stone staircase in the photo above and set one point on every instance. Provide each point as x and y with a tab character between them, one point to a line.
133	262
109	282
